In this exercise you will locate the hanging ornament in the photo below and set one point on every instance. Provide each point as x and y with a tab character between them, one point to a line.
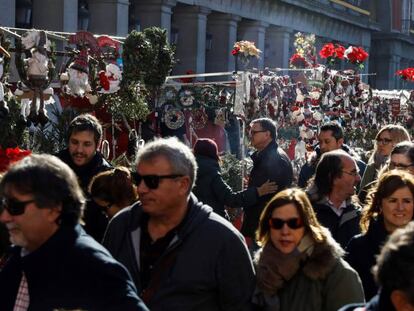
77	75
35	72
174	118
186	98
198	118
110	79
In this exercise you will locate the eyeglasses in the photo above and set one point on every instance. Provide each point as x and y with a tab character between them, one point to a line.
153	181
384	141
292	223
353	173
393	165
14	207
252	132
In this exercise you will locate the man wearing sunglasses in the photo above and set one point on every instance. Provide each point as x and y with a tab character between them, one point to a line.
83	157
332	193
181	255
270	163
53	263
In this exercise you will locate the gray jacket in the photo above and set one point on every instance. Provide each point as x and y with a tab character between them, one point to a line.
212	269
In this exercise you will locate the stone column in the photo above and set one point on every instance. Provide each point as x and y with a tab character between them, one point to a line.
60	15
154	13
223	31
8	13
109	17
191	22
254	31
278	44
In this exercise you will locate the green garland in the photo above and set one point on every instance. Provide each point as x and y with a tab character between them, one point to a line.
147	58
12	127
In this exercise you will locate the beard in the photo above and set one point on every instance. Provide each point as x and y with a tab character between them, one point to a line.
78	82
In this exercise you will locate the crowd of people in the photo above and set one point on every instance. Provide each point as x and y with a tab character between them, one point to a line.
88	236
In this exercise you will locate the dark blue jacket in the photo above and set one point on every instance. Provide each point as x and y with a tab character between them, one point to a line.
362	251
211	189
272	164
212	269
69	271
343	228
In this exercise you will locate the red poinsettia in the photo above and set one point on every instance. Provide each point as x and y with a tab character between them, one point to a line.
406	74
328	50
11	155
356	55
235	51
298	61
332	52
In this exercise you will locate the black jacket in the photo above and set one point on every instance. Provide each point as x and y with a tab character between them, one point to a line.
86	172
212	269
69	271
380	302
211	189
272	164
343	228
93	216
309	168
362	251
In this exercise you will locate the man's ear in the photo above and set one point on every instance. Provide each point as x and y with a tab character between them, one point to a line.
400	301
185	184
340	141
54	213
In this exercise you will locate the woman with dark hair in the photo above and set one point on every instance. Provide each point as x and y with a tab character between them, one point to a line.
113	190
390	206
300	266
211	189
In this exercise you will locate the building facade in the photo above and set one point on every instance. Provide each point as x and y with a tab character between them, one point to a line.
204	31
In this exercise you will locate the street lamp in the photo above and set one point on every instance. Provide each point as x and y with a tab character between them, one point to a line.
23	13
83	15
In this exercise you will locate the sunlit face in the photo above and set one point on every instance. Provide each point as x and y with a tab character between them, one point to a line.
259	138
327	142
346	184
398	209
286	239
170	193
385	144
32	228
82	147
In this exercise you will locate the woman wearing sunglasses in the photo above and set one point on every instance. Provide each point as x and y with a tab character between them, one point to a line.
300	266
113	190
390	206
387	137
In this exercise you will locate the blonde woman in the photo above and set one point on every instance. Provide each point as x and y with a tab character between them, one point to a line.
387	137
300	266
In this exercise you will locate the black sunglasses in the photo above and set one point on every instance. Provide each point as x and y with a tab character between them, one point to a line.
293	223
14	207
153	181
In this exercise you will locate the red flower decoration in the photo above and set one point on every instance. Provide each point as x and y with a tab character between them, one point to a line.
356	55
340	51
328	50
298	61
11	155
406	74
235	51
